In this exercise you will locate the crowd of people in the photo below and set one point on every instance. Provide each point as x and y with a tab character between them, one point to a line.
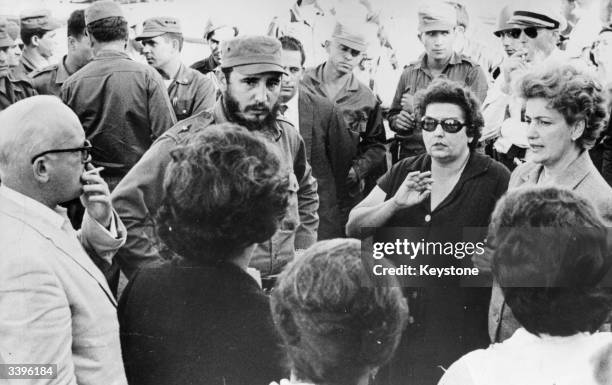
170	224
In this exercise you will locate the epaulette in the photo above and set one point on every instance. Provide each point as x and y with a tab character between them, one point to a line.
186	127
469	60
48	68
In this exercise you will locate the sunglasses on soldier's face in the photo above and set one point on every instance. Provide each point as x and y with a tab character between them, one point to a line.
515	33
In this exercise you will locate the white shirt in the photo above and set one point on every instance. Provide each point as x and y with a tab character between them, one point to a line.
526	358
292	113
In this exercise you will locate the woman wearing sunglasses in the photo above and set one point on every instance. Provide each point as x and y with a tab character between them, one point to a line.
448	188
566	112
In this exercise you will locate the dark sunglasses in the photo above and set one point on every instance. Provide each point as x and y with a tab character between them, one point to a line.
515	33
85	152
448	125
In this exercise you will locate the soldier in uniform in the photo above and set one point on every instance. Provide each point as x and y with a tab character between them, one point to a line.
437	23
123	105
13	29
214	36
360	108
253	68
49	80
190	92
11	89
38	35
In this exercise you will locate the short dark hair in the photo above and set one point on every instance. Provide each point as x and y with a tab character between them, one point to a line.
448	91
109	29
224	190
334	323
174	36
76	24
290	43
28	34
550	257
574	93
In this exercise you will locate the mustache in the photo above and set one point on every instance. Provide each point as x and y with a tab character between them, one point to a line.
257	107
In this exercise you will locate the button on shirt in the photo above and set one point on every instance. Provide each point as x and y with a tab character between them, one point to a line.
191	92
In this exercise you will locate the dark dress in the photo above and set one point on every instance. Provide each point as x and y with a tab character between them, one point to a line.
448	321
185	324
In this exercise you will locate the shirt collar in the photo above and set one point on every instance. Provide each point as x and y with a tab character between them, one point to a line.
182	76
454	60
317	78
62	73
55	217
111	53
292	104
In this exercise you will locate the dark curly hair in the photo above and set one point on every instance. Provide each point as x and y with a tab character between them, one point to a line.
550	257
447	91
224	190
336	325
572	92
109	29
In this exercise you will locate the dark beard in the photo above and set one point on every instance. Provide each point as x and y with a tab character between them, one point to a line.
232	108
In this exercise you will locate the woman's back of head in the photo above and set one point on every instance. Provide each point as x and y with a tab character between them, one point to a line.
336	325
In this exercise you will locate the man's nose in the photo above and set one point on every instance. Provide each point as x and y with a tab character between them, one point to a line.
261	93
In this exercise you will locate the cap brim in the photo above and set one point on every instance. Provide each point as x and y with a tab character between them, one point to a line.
52	24
148	35
439	26
259	68
7	42
351	44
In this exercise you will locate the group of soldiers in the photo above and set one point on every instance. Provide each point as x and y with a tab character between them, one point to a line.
329	124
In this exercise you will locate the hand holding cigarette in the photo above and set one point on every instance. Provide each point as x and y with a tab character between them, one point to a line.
96	195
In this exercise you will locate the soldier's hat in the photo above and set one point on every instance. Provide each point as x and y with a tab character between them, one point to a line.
251	55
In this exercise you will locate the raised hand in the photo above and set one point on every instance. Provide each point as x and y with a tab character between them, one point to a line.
414	189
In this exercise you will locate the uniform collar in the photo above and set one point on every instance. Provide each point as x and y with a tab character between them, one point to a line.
317	78
422	62
183	75
55	217
62	73
111	53
26	61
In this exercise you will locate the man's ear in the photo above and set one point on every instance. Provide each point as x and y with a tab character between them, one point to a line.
40	170
71	43
35	41
420	37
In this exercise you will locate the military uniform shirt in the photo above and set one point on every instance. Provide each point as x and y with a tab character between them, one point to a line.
13	90
191	92
49	80
123	107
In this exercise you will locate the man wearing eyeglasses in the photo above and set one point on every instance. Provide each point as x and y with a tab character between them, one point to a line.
55	304
437	23
361	109
534	31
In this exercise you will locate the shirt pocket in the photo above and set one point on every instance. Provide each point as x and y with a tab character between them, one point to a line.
357	123
182	108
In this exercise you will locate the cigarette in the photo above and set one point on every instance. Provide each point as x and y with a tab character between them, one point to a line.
95	170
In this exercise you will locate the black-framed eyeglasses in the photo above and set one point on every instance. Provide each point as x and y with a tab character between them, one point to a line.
85	152
515	33
448	125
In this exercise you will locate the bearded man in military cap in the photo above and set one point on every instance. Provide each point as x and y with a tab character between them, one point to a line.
253	68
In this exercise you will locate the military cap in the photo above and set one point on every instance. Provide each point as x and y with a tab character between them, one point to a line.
211	28
503	20
252	55
537	14
102	10
5	38
157	26
350	36
437	16
38	19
